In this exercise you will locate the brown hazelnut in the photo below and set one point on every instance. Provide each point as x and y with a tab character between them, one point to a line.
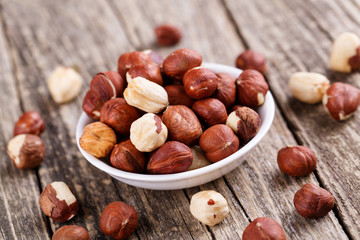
26	151
296	161
218	142
251	60
119	115
200	83
149	71
125	156
312	201
211	111
341	100
251	88
128	59
234	108
180	61
58	202
98	139
118	220
178	96
71	232
182	123
167	35
264	228
31	123
226	89
172	157
354	61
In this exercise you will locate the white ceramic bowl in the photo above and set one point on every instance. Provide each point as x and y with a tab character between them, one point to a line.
194	177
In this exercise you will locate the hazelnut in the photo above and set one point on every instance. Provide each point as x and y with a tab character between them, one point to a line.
146	95
98	139
251	60
264	228
128	59
64	84
155	57
148	133
226	89
119	115
71	232
218	142
58	202
199	159
167	35
172	157
312	201
26	151
30	123
209	207
251	88
178	96
125	156
308	87
296	161
200	83
345	55
245	122
118	220
182	123
211	111
149	71
341	100
180	61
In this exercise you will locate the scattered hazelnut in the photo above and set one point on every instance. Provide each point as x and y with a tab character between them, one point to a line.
30	123
125	156
209	207
210	110
155	57
200	82
167	35
64	84
296	161
308	87
178	96
148	133
264	228
312	201
118	220
251	60
128	59
26	151
149	71
71	232
341	100
226	89
98	139
199	159
58	202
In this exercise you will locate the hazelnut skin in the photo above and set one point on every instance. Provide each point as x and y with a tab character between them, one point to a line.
155	57
125	156
312	201
128	59
251	60
200	83
211	111
71	232
30	123
167	35
296	161
264	228
178	96
149	71
226	89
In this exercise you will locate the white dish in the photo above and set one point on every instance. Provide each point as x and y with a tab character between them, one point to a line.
194	177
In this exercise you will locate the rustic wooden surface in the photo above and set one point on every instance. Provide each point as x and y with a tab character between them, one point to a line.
36	36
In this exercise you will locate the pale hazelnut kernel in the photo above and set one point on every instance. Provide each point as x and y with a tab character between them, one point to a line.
308	87
209	207
199	159
146	95
64	84
148	133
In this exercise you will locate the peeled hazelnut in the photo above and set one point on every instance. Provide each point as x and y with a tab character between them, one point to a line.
148	133
58	202
296	161
172	157
167	35
182	123
178	96
345	55
98	139
226	89
211	111
199	159
119	115
155	57
146	95
312	201
308	87
71	232
251	60
251	88
30	123
26	151
218	142
118	220
209	207
128	59
341	100
200	83
180	61
264	228
125	156
245	122
64	84
149	71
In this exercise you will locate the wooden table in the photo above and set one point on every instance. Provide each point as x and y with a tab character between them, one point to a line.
36	36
